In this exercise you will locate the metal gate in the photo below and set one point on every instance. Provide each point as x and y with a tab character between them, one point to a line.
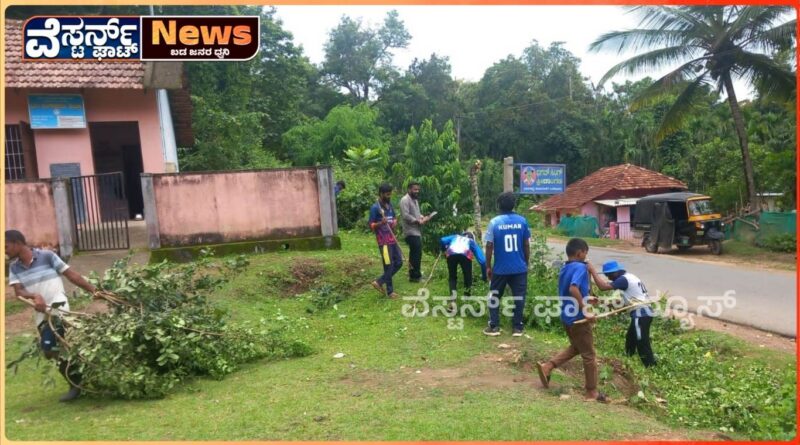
101	211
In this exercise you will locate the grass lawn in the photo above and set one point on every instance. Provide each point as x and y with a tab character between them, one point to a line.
400	378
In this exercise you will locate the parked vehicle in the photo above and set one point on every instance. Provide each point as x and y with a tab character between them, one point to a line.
682	219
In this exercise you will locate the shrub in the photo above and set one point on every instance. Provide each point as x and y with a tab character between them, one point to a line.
784	242
361	191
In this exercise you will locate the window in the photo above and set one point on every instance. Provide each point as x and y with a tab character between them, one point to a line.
15	160
700	207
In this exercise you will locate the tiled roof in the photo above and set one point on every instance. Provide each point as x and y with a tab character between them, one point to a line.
80	74
626	177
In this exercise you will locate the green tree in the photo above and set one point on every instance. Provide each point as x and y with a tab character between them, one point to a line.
426	91
432	159
343	128
358	58
713	44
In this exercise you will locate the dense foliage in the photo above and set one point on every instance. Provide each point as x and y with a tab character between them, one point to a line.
161	330
432	160
701	380
536	106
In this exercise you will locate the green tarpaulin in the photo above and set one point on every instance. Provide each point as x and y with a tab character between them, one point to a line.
579	226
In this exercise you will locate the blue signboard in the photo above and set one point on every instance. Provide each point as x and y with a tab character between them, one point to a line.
542	179
56	111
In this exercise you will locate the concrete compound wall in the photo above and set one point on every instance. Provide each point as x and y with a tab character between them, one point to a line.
190	209
31	210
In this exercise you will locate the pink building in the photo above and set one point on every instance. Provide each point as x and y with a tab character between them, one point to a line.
610	195
121	129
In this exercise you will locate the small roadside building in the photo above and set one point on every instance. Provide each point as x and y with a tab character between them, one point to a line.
609	194
88	117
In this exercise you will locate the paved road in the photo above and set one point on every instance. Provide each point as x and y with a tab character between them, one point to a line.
765	299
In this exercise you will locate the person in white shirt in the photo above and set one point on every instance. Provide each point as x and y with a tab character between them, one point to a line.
35	274
633	291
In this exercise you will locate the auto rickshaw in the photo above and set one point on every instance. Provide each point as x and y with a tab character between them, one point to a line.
682	219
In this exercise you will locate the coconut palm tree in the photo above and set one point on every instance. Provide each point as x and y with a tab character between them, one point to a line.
713	45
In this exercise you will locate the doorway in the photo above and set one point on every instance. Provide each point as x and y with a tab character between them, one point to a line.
116	147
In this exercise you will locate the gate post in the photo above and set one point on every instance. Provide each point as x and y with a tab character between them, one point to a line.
65	220
327	204
150	212
508	174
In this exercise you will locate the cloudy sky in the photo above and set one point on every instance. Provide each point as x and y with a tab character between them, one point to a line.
474	37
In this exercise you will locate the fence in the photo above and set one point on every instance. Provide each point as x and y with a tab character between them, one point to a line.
580	226
194	209
769	224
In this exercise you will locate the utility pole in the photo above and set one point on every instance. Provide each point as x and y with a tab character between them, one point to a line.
570	88
458	131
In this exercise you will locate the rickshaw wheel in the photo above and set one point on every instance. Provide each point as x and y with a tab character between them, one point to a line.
715	246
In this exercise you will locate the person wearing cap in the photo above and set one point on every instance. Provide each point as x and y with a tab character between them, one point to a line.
460	250
633	291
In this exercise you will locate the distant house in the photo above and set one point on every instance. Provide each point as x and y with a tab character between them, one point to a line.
608	194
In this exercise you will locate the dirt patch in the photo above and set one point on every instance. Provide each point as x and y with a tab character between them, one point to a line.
19	322
303	274
764	261
486	371
24	321
356	270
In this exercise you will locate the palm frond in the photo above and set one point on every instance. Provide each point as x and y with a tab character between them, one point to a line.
682	18
636	39
753	20
681	109
778	38
653	60
667	84
770	77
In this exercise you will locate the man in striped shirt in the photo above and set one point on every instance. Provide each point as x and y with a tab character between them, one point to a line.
35	274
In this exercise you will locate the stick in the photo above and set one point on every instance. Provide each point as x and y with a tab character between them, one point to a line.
32	304
616	311
433	269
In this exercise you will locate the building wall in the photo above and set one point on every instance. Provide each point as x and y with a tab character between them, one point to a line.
74	145
222	207
31	210
590	209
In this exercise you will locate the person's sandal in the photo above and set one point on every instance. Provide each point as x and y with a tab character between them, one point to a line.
378	288
601	398
545	379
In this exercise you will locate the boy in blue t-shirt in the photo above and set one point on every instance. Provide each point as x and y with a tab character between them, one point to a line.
381	221
507	243
573	288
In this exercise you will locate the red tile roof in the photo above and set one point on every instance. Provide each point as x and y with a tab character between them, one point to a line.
634	180
82	74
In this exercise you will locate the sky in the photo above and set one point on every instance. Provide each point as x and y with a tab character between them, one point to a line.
475	37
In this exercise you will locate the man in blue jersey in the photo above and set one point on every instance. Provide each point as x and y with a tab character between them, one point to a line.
507	243
573	288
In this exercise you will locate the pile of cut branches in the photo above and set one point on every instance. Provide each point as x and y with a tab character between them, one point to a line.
160	329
